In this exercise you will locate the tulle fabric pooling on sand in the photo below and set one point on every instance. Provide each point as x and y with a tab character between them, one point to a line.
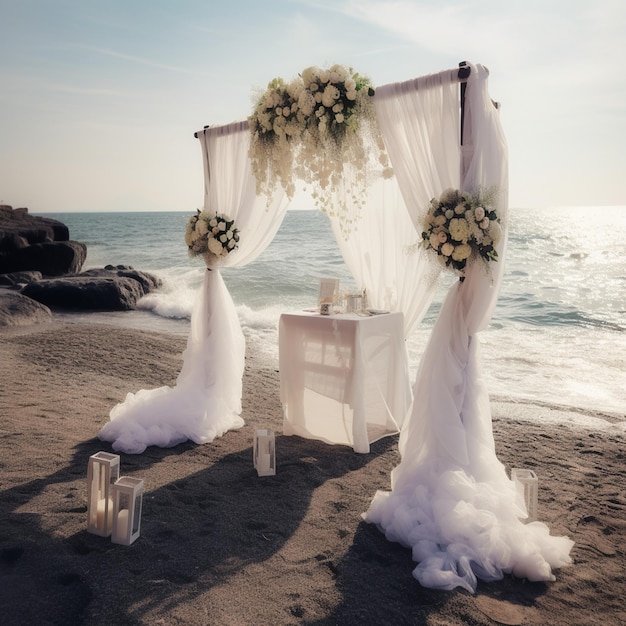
451	501
206	400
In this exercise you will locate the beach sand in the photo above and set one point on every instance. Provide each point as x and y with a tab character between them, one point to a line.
221	546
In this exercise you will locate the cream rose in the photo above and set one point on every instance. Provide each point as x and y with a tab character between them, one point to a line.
447	249
215	247
462	252
201	227
459	229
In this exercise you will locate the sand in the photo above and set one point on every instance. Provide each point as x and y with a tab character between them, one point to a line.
221	546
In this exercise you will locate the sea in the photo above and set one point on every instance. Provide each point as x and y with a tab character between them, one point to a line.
557	337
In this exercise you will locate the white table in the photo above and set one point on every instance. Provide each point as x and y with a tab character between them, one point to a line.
344	379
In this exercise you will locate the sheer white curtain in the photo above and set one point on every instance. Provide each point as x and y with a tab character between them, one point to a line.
206	400
419	121
451	501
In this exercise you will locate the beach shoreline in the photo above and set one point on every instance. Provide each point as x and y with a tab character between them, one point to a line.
220	545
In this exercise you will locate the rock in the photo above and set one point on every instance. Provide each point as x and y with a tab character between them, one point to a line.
148	281
52	258
19	278
95	290
34	243
12	241
33	228
18	310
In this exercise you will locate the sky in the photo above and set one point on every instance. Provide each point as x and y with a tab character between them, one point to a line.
99	100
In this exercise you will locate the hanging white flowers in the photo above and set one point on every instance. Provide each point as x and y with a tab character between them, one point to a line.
321	128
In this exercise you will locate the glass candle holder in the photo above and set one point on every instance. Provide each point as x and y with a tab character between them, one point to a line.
528	485
102	472
127	505
264	452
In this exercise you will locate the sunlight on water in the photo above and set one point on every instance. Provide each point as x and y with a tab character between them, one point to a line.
558	334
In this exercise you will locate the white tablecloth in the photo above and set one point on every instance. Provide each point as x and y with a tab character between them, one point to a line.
344	379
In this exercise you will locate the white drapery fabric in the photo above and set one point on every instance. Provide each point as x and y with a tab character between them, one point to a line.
206	400
419	122
451	501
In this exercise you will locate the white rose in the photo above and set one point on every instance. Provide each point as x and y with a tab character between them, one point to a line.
324	76
462	252
286	111
434	241
459	229
222	226
495	231
459	209
339	118
350	84
229	234
308	75
485	223
442	236
479	213
351	95
447	249
449	214
213	223
231	244
223	238
201	228
214	246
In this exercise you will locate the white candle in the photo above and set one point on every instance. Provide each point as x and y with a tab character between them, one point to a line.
263	463
100	512
121	528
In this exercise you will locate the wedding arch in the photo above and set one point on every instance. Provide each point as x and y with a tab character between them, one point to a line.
450	498
426	125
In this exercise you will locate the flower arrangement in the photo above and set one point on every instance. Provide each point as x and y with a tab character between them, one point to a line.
212	235
460	226
321	127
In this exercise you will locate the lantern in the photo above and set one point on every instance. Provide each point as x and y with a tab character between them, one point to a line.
264	452
527	484
127	504
102	472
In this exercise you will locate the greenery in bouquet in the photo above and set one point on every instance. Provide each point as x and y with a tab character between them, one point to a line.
460	226
321	128
212	235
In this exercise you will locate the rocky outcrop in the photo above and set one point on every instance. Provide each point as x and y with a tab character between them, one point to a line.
109	289
31	228
38	257
18	310
33	243
52	258
19	279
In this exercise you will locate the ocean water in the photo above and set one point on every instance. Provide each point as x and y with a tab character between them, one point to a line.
557	337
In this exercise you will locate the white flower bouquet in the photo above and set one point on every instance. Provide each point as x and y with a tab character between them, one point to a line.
321	127
460	226
212	235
